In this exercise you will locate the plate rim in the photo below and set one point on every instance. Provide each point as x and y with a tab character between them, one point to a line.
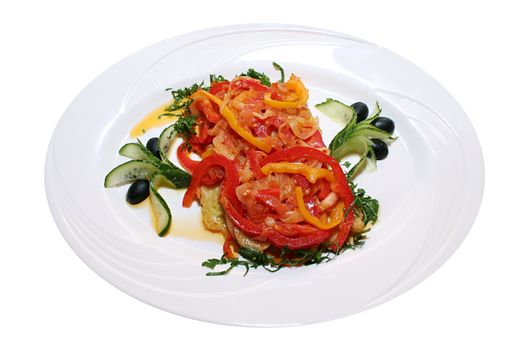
61	224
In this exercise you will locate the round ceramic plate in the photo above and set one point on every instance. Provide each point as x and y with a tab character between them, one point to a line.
429	187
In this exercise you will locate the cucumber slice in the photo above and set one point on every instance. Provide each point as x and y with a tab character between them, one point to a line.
357	168
338	111
371	131
129	172
341	137
375	115
161	211
178	177
138	151
166	138
355	145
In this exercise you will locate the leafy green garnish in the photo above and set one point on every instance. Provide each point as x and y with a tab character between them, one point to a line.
181	97
367	205
216	78
362	202
186	92
280	69
250	258
252	73
185	126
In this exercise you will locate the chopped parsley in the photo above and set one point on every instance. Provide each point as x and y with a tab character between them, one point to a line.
185	126
250	258
367	205
216	78
252	73
181	96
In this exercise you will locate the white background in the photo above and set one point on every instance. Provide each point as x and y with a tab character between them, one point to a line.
52	49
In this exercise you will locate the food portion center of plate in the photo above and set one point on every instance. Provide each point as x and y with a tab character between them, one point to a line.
254	158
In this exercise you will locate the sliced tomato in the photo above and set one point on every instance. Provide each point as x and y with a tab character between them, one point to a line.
206	107
247	83
272	202
253	158
316	140
220	88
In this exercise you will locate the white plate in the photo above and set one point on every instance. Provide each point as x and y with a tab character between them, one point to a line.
429	187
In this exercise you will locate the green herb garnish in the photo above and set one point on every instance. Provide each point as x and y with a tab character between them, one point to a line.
185	126
362	202
250	258
252	73
186	92
367	205
216	78
280	69
181	96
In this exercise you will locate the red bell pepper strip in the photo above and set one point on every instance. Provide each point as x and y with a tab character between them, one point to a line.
294	243
340	186
260	231
182	155
227	246
231	180
222	86
324	189
295	229
254	163
210	179
295	153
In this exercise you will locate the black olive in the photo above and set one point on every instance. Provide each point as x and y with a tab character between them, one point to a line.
361	110
380	149
153	146
385	124
138	191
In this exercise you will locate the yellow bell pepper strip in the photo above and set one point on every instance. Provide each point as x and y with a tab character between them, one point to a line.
336	215
295	84
234	124
311	174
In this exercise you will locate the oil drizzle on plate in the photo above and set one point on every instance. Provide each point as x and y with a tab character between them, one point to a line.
153	119
195	231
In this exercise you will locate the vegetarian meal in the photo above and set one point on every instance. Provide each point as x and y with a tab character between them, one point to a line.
252	155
